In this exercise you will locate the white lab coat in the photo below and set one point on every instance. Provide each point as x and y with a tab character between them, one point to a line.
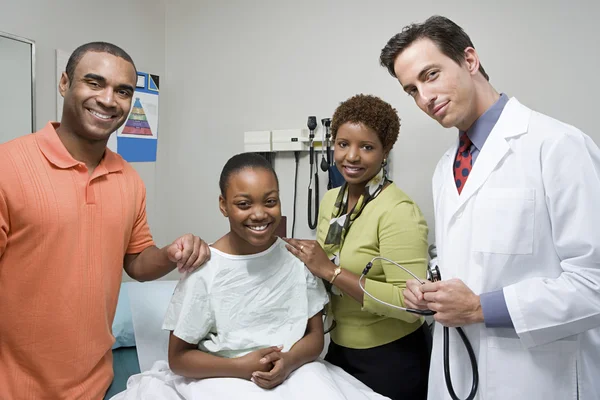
527	221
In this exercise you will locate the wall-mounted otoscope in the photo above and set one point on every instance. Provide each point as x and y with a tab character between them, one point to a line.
325	154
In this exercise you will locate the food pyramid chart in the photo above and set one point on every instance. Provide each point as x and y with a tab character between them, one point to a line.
137	123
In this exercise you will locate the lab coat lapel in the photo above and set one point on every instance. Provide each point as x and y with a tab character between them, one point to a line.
449	182
445	193
513	121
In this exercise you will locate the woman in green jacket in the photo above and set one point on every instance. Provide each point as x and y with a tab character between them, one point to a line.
370	216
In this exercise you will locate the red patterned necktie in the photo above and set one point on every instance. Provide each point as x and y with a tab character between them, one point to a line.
463	162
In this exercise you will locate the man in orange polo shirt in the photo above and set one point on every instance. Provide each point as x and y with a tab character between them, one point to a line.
72	215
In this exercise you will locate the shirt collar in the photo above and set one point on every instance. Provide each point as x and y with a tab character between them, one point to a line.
482	127
56	152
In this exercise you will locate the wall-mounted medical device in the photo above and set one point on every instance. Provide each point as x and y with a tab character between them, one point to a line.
280	140
297	141
257	142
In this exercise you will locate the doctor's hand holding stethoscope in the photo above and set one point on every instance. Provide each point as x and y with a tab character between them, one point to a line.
452	300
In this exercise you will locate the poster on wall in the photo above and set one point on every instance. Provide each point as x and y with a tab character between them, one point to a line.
137	139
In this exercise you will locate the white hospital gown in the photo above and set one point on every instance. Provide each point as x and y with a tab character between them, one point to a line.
237	304
234	305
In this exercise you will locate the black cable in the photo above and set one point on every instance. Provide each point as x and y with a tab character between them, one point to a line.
297	157
447	364
435	277
313	223
312	125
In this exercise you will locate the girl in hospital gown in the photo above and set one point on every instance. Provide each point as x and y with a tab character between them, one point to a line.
237	305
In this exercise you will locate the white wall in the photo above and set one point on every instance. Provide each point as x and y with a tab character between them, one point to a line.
237	66
16	110
138	26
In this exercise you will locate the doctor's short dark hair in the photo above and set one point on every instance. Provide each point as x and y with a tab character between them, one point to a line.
96	47
450	38
242	161
372	112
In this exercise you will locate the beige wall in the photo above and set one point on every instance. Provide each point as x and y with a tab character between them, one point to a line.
238	66
233	66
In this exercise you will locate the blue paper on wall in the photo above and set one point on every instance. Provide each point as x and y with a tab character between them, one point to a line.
137	139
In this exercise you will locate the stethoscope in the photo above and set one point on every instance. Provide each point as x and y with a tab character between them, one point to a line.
434	276
314	175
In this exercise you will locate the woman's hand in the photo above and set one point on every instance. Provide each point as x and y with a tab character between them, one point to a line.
313	256
282	368
413	295
256	361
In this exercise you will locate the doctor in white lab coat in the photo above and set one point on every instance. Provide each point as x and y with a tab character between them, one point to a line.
518	233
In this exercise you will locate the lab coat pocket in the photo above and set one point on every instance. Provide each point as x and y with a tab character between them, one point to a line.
504	221
542	372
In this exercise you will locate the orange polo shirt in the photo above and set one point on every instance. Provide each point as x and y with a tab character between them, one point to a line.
63	237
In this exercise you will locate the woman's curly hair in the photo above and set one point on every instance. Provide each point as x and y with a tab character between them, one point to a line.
372	112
